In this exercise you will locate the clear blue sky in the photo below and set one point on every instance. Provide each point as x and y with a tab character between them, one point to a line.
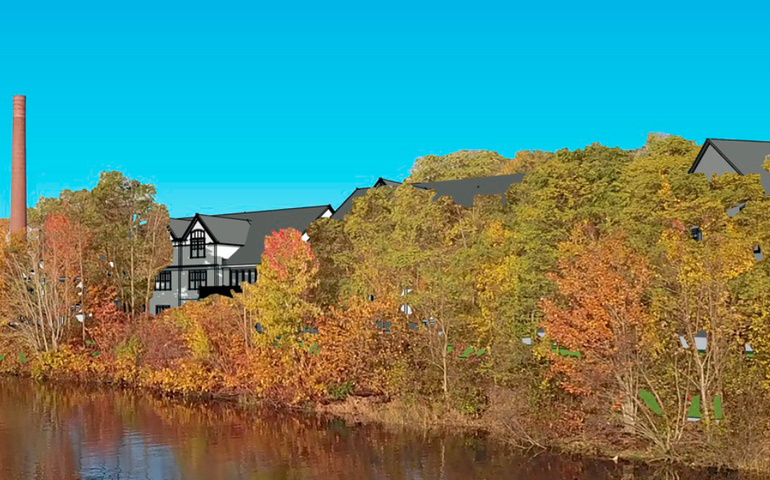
231	106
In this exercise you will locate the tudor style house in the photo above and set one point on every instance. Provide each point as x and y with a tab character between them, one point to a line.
744	157
216	253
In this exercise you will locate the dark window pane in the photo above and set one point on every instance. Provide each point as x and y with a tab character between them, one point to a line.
197	244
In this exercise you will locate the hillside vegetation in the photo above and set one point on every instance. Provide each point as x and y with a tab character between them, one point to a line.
557	320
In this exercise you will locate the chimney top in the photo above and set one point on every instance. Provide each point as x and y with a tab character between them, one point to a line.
19	106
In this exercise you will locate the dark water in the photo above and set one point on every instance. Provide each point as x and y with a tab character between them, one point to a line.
66	433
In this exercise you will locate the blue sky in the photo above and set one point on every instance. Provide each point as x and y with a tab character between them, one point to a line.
232	106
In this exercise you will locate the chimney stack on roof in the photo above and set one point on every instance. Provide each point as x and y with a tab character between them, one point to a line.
19	165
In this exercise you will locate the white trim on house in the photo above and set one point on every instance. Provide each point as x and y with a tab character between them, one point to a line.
217	272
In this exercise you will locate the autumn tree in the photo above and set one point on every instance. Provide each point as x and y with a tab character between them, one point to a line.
39	286
131	245
569	188
460	164
600	312
281	297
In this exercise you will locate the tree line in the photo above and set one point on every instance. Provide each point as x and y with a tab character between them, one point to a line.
560	318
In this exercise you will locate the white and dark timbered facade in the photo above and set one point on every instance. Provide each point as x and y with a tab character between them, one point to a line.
216	253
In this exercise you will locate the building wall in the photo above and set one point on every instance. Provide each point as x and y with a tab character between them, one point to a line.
216	274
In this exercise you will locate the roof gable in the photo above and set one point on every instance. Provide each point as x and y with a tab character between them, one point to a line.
178	226
195	220
744	156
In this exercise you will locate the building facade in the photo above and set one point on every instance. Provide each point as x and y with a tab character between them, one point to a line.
214	253
217	253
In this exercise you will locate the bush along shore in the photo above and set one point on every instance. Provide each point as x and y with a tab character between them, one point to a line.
610	306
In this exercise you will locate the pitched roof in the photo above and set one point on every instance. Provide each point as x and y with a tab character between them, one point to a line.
178	226
745	156
464	190
232	231
344	209
383	182
231	228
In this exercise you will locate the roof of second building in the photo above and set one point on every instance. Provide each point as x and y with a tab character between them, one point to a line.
745	155
464	190
344	209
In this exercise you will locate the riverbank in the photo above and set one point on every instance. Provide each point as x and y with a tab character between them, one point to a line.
71	432
412	415
191	354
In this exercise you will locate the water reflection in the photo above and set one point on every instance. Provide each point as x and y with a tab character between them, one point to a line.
94	434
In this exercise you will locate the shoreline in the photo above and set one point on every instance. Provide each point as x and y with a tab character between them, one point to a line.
395	413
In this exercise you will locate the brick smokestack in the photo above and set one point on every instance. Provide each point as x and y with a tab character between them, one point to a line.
19	165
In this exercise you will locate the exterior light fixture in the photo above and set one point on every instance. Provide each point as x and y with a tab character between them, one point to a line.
696	233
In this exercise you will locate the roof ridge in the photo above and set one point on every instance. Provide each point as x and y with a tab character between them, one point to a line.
254	211
219	216
736	140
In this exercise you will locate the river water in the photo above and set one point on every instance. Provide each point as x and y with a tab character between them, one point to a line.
67	433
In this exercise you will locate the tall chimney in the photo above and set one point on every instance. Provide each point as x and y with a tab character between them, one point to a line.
19	165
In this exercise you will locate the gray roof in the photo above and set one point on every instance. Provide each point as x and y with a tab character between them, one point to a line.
382	182
746	156
344	209
464	190
232	231
179	226
260	224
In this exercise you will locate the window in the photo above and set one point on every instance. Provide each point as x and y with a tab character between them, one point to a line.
198	244
163	281
242	275
197	279
696	233
159	308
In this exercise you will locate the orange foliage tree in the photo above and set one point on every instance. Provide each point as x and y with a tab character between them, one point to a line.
600	312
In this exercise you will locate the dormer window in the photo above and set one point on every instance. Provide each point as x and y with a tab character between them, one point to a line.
198	244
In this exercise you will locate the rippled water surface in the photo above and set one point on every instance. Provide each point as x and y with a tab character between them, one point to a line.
68	433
